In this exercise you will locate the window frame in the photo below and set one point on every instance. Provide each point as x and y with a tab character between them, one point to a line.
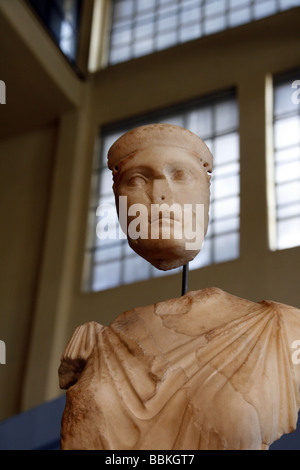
205	16
279	80
83	36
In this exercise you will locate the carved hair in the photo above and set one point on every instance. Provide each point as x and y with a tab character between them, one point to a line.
157	134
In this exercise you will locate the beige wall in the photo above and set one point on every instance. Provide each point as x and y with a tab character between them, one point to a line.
243	57
41	88
26	164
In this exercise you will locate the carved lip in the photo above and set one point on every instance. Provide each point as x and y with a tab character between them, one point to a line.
166	217
161	218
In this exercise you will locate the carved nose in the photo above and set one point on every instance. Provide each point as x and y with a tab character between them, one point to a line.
161	191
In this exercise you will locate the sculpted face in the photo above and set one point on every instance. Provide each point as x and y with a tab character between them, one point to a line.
163	171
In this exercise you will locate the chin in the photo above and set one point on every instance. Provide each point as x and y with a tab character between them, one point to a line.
163	254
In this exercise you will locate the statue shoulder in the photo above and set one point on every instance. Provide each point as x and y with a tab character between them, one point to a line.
77	352
288	320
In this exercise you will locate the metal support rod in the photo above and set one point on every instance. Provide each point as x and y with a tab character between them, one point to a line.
185	279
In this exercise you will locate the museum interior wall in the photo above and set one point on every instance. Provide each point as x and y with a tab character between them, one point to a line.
48	132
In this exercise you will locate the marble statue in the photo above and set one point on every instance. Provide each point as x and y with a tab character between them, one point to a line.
165	166
207	370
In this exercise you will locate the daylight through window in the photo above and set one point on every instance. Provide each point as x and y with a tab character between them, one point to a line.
61	18
287	160
139	27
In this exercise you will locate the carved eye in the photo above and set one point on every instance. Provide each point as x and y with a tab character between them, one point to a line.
136	181
180	175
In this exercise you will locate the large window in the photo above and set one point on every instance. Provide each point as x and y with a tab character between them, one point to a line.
111	262
61	18
139	27
287	160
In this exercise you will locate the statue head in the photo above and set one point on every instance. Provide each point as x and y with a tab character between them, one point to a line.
164	173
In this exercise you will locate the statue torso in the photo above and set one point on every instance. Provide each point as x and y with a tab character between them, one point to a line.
206	371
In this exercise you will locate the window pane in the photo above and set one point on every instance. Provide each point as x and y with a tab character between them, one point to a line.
289	210
112	252
215	24
202	121
106	182
166	40
204	258
287	132
239	17
61	18
189	15
288	193
106	276
224	187
226	208
226	116
144	4
189	32
287	154
266	8
287	171
176	120
227	225
287	164
288	4
105	244
142	47
214	7
122	8
120	54
66	42
165	23
226	247
106	144
226	149
228	169
135	269
120	37
143	30
283	99
239	3
288	233
187	19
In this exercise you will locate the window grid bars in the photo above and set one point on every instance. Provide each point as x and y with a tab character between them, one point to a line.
66	17
279	117
130	22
